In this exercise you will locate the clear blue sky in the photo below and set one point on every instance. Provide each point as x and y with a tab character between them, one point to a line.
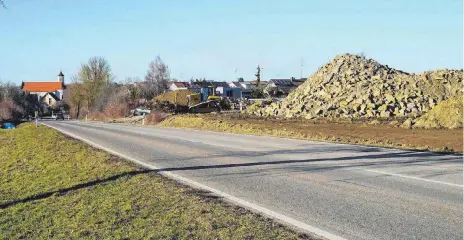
211	38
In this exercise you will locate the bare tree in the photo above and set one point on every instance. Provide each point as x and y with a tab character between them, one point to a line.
134	87
95	76
157	78
76	96
2	4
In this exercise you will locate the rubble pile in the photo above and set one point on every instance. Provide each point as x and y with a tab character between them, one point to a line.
352	86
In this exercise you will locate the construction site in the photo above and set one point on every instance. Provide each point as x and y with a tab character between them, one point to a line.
351	99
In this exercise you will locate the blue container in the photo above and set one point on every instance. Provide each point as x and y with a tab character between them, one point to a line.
204	94
8	125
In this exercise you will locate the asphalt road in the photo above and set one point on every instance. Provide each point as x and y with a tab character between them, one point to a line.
353	192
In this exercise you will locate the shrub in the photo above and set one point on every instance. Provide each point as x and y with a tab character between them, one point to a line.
9	110
116	110
99	116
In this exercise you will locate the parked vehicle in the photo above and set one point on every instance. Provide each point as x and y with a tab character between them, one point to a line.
59	116
8	125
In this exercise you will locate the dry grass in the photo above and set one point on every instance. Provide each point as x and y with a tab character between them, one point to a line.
53	187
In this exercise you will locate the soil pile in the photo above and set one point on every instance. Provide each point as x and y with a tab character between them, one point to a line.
447	114
180	99
352	86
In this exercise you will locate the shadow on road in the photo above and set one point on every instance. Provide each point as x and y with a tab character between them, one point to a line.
416	158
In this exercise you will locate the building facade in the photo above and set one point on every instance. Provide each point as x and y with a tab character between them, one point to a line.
49	92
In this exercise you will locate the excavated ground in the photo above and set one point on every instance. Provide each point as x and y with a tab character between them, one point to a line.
358	132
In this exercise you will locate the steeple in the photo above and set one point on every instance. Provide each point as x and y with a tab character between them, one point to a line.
61	77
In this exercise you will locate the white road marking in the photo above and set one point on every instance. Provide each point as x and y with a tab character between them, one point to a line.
236	200
415	178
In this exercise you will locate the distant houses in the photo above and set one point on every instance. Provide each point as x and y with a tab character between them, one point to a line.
282	87
239	89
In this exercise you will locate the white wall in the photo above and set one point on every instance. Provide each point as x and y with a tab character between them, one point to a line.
59	93
173	87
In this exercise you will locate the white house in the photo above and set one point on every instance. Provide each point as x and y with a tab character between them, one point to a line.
173	86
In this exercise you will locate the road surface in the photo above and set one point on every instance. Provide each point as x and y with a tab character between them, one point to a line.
336	190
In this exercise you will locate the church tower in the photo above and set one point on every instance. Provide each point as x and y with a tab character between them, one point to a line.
61	77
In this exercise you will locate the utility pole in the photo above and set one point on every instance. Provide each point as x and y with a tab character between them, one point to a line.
301	68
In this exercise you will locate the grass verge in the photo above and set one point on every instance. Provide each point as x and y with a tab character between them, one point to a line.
54	187
382	135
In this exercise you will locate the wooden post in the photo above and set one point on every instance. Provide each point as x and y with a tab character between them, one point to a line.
36	119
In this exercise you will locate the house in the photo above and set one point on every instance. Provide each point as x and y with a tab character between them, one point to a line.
212	83
248	84
173	86
247	93
48	93
282	87
297	82
235	84
220	89
229	92
247	87
49	99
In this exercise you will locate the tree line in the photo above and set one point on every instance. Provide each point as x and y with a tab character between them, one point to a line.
93	89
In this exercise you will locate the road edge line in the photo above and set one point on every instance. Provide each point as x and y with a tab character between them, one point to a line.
273	215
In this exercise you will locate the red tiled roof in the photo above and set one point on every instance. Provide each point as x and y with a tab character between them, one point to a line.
41	86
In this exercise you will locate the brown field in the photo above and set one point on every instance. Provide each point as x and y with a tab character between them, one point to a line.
383	134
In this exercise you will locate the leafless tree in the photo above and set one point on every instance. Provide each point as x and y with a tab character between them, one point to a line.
157	78
2	4
134	87
76	96
95	76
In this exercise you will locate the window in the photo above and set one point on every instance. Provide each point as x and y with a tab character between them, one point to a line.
229	93
49	101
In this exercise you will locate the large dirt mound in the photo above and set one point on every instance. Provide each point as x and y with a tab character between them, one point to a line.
355	87
178	97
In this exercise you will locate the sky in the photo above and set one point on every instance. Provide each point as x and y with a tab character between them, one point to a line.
225	39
